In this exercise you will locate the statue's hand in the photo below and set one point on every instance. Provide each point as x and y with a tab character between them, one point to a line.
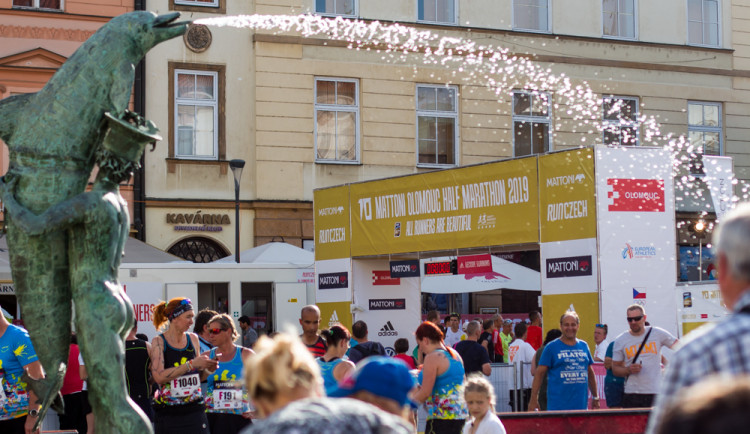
7	186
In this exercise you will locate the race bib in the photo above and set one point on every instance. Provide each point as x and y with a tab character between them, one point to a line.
187	385
227	398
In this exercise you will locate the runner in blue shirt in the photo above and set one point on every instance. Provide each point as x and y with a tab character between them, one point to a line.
18	407
568	362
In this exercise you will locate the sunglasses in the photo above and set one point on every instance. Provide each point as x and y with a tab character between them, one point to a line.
635	318
216	331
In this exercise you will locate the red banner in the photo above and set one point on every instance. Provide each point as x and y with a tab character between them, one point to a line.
641	195
384	278
475	264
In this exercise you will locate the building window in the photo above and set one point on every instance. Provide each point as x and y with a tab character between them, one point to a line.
531	15
198	250
703	22
204	3
197	108
39	4
704	127
437	11
620	121
437	125
346	8
531	123
337	120
618	18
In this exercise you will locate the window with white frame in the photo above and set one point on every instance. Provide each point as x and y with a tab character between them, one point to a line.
347	8
197	114
618	18
336	120
39	4
437	125
206	3
704	127
620	120
531	123
531	15
437	11
703	22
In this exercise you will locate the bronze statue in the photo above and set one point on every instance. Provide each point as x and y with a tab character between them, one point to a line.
54	137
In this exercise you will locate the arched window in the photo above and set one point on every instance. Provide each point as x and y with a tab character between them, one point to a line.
198	249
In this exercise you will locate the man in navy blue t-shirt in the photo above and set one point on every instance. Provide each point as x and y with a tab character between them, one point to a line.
473	354
568	363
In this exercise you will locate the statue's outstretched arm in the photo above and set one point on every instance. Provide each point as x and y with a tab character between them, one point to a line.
64	214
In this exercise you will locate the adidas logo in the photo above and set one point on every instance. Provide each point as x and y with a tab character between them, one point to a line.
334	319
388	330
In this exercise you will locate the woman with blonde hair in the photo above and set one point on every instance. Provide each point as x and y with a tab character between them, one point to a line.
227	405
285	385
178	369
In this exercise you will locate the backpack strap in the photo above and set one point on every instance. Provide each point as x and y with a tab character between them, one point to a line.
642	344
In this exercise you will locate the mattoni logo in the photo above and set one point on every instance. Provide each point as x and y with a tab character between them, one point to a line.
334	319
566	180
639	195
638	252
388	330
331	211
572	266
333	280
388	304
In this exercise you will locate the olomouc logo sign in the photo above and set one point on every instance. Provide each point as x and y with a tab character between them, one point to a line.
572	266
333	280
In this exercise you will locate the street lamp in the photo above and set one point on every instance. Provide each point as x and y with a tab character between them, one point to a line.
237	166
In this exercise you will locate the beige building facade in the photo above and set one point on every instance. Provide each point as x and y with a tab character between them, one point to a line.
309	112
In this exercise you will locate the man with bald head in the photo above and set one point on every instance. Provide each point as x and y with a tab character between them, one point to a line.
310	321
569	364
719	348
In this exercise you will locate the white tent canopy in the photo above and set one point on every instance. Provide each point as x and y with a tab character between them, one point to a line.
274	253
504	275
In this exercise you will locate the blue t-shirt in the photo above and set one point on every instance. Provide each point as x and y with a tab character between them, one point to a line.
16	351
567	378
611	377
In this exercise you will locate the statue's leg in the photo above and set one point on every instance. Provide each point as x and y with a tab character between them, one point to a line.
101	315
40	274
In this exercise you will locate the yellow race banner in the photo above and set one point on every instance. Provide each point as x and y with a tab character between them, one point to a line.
331	222
585	305
483	205
567	202
335	313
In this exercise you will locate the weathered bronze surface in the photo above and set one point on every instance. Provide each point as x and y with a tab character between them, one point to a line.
65	246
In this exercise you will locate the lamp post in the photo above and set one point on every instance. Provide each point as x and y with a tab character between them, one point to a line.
237	166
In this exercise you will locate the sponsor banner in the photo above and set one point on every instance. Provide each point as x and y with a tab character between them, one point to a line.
567	204
335	313
698	304
333	280
475	264
144	296
408	268
719	179
387	304
587	308
569	266
383	278
636	195
305	276
456	208
637	236
331	222
390	311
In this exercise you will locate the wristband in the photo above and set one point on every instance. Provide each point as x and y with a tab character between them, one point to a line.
189	364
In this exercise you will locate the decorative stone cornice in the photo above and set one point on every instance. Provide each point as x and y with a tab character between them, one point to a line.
54	33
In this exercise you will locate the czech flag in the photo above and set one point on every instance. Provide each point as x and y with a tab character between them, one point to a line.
638	295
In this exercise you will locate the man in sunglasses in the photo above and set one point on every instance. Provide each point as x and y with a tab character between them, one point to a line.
637	357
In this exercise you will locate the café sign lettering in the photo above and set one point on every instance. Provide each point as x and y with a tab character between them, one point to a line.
198	221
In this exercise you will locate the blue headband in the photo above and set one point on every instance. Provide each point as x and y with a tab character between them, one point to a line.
181	308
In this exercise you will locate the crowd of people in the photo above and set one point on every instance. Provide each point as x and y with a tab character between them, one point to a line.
334	381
